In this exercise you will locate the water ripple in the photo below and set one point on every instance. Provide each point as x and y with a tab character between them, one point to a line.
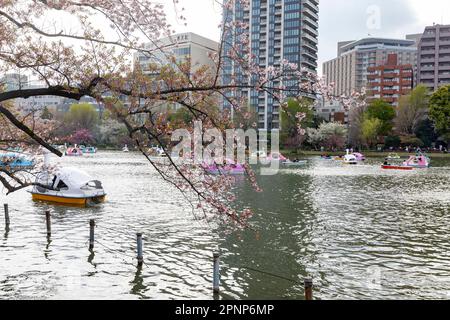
360	232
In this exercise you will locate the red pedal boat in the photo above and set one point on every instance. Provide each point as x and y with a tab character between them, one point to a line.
389	167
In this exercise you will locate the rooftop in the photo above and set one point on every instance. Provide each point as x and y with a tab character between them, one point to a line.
344	47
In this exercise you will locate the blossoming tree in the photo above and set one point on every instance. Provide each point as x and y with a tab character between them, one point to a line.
93	59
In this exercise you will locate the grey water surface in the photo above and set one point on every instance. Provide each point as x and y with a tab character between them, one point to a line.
358	231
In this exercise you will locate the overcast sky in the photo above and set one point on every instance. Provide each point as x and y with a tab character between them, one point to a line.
338	19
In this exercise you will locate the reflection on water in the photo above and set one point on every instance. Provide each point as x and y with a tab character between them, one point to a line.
358	231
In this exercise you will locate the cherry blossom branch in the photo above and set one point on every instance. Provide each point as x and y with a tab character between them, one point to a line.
28	131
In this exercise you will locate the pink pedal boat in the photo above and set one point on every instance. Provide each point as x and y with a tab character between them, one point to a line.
359	156
230	168
74	152
420	161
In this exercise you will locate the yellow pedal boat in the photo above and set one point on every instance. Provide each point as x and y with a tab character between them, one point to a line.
68	186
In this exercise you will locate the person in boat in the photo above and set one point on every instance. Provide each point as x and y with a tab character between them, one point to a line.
386	163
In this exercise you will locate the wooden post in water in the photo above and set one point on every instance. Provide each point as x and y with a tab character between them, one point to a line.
7	221
140	256
216	273
308	289
91	234
48	220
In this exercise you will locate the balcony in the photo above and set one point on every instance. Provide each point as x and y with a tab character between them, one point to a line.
312	14
311	30
429	36
309	46
428	48
444	82
426	68
405	83
446	67
406	74
427	60
389	83
405	90
312	66
311	5
373	76
427	76
444	75
390	75
311	22
309	37
310	55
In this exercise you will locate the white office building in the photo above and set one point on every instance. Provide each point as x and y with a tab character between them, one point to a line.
184	46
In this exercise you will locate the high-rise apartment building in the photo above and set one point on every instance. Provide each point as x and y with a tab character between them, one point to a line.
434	57
278	30
348	72
390	81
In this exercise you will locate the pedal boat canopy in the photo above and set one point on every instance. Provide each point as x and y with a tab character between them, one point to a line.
68	186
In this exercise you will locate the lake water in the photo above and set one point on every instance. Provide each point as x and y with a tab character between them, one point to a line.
359	232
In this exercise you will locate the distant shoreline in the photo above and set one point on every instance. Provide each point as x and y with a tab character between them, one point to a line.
369	154
291	153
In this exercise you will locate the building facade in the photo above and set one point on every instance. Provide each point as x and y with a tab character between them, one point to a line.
13	81
184	47
389	81
434	57
38	102
331	111
349	71
278	30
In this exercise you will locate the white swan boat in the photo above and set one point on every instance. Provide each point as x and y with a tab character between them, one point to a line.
69	186
350	159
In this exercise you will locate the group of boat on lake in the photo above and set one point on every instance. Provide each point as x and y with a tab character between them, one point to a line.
70	186
351	158
16	160
78	151
230	167
392	162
